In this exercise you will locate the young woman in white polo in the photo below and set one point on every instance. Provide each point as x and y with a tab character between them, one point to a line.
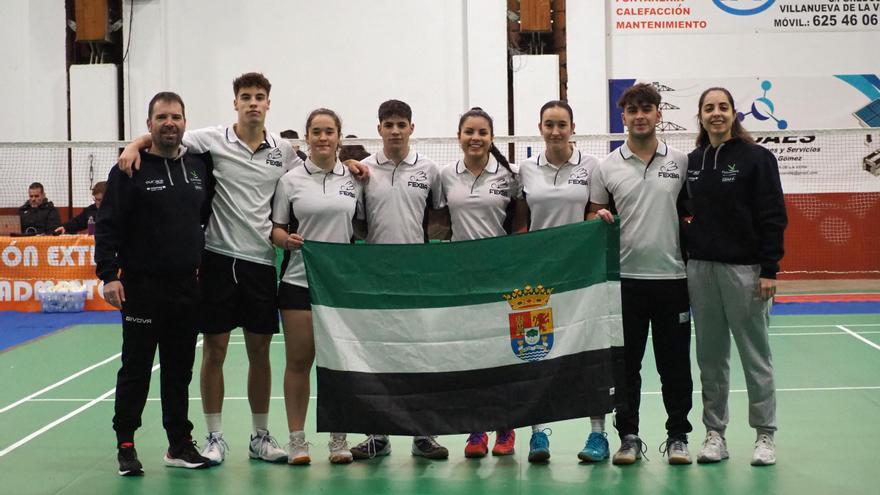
480	189
318	201
556	191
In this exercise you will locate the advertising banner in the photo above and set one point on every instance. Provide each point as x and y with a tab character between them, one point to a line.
29	265
628	17
809	162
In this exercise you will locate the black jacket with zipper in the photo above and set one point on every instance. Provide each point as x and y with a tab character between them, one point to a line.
43	219
737	205
150	225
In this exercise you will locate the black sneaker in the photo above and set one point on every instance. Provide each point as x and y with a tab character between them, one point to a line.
129	465
428	448
373	446
186	455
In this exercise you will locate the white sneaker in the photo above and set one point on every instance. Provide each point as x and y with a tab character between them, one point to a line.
264	447
339	451
215	447
765	451
714	448
298	449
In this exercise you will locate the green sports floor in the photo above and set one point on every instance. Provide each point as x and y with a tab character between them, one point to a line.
56	401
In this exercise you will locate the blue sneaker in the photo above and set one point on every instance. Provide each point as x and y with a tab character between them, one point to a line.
596	448
539	447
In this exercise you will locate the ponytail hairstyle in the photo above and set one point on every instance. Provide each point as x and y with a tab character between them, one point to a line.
479	112
736	131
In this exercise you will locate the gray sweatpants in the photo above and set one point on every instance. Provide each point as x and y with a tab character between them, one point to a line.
724	301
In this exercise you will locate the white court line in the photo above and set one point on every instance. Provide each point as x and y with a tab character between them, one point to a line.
313	397
806	389
827	325
65	380
56	423
847	330
771	334
62	419
69	415
59	383
801	334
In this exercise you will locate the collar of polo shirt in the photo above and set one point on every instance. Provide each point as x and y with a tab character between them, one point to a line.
311	168
491	167
409	159
627	153
232	137
574	159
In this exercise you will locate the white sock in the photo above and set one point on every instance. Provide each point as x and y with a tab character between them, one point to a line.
298	435
260	422
537	428
214	422
597	425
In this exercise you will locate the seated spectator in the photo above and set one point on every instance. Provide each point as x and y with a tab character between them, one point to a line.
291	134
38	215
355	152
81	221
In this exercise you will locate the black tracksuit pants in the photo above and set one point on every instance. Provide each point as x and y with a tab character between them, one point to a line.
150	320
664	305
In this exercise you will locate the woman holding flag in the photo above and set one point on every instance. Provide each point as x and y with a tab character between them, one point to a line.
556	191
480	190
317	201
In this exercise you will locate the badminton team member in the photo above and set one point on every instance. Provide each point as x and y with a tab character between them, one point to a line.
735	243
401	200
316	202
148	246
556	191
480	190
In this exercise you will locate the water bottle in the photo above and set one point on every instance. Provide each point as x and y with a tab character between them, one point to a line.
91	227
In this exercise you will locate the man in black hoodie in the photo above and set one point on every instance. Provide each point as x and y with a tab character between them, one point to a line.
148	244
38	214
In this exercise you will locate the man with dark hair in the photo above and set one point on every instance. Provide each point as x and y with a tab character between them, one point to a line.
88	215
148	245
401	196
645	178
38	215
237	274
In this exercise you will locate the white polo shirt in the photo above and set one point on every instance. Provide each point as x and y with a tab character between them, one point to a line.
646	196
557	195
322	204
240	225
396	196
478	205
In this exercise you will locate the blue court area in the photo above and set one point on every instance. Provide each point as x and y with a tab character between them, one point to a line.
17	327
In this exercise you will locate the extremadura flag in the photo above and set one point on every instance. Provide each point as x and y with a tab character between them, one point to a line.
467	336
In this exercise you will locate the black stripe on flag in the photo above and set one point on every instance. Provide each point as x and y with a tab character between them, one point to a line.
566	387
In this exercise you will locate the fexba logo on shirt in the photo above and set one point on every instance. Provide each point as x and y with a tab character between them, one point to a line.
347	189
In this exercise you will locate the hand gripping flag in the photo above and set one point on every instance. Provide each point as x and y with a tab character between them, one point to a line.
467	336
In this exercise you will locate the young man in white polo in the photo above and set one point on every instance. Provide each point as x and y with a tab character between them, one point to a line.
645	178
399	203
237	275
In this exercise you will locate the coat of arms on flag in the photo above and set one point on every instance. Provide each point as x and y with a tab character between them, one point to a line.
531	332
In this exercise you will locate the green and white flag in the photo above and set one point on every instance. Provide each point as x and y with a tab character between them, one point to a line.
467	336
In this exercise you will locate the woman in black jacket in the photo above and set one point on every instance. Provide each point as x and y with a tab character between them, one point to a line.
735	242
